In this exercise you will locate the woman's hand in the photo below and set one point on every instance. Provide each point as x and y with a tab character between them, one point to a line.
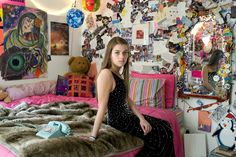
88	138
145	126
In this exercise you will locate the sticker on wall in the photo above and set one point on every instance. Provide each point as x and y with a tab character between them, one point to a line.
25	42
204	123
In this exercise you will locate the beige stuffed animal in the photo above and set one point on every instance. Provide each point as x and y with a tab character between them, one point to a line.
78	65
4	96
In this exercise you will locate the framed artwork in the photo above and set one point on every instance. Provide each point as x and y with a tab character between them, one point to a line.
140	34
59	38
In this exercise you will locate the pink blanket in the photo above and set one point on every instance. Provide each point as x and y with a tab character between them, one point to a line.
167	115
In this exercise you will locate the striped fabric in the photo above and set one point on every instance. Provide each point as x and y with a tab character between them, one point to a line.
148	92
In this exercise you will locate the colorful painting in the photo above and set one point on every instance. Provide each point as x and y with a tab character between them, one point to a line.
25	43
59	39
204	122
13	2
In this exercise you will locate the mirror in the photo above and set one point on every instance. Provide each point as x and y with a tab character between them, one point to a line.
204	67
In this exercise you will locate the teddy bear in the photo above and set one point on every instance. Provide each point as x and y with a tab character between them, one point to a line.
4	96
80	84
78	66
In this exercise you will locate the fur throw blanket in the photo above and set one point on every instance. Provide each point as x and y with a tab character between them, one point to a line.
18	128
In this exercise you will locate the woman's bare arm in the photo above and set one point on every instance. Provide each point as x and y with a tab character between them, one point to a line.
104	86
134	109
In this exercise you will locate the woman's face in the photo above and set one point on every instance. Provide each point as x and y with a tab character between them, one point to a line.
27	25
119	55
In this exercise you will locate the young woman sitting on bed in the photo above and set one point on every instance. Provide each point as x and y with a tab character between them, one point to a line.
112	95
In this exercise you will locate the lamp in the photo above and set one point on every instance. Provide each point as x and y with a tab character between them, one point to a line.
75	17
91	5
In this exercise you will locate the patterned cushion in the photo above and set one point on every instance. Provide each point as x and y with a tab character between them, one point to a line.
169	85
62	85
148	92
80	86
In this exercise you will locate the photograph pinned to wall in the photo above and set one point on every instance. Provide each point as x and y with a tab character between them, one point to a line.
59	38
126	33
13	2
25	43
140	34
204	122
219	113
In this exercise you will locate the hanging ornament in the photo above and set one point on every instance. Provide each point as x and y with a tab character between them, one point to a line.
91	5
75	17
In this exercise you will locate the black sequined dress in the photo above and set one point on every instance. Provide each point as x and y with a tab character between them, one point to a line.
157	143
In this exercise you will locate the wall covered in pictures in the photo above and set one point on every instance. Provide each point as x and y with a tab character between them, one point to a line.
180	35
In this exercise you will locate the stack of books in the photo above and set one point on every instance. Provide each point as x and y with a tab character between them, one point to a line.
222	152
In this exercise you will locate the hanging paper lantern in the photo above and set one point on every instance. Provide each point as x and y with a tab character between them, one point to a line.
75	18
91	5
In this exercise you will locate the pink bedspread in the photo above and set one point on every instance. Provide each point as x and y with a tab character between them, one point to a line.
167	115
38	100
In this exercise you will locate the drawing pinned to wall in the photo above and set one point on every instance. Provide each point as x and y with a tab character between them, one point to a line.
13	2
140	34
204	123
25	43
59	38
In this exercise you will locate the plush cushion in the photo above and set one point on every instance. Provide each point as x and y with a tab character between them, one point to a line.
80	86
148	92
62	85
39	88
169	85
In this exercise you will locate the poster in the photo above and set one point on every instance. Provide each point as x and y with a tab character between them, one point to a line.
59	38
25	43
13	2
204	122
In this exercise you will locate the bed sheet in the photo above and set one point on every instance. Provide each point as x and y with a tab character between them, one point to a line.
174	117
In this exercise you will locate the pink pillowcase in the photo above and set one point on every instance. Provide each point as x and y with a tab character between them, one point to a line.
38	88
169	85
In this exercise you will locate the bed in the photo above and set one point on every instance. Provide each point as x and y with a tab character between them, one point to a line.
79	113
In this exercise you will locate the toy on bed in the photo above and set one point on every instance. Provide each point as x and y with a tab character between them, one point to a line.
4	96
78	66
79	83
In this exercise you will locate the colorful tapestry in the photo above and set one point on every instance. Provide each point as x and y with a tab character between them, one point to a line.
25	43
14	2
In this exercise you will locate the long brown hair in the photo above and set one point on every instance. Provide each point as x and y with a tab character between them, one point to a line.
106	64
215	57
